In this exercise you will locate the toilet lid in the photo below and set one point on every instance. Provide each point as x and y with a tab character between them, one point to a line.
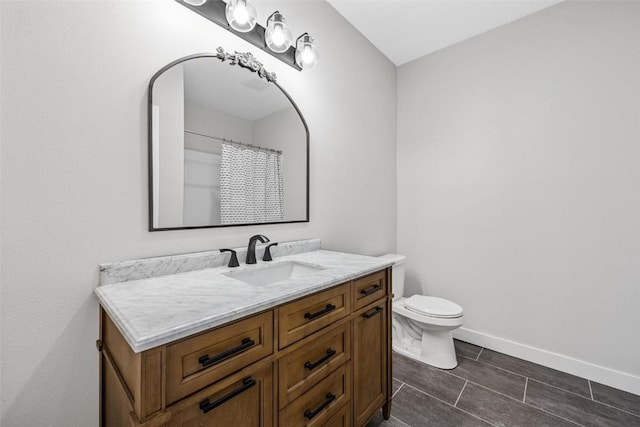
433	306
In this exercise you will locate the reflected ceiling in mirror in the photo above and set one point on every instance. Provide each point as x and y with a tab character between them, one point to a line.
227	146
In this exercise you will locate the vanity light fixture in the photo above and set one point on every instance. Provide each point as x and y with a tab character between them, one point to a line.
195	2
239	17
277	37
306	53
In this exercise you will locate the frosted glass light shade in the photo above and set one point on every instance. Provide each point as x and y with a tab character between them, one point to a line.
241	15
195	2
277	36
306	53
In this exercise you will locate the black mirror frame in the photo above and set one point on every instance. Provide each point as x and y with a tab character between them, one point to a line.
243	60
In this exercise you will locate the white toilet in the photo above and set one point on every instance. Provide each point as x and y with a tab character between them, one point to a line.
422	325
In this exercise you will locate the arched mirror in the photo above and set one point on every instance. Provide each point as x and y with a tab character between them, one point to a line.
227	146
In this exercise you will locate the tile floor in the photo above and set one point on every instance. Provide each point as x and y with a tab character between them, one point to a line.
492	389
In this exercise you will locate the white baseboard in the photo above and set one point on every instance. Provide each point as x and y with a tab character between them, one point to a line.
580	368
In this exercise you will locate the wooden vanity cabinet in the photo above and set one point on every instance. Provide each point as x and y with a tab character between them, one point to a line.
370	350
323	360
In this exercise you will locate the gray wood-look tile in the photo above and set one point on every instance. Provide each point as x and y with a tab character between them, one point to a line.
467	350
537	372
395	386
379	421
581	410
426	378
503	411
418	409
614	397
489	376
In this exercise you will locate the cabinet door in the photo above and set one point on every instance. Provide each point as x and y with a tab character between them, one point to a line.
242	400
370	360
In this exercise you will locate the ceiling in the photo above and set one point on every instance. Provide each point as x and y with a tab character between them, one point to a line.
405	30
231	89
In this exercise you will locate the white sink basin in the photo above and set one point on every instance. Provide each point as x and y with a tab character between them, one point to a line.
265	274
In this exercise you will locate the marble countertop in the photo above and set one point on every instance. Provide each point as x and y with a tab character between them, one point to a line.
157	310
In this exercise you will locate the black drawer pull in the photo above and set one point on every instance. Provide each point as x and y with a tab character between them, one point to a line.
206	361
371	290
372	313
330	398
311	366
207	406
327	309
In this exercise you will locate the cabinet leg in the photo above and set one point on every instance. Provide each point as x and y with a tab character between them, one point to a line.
386	410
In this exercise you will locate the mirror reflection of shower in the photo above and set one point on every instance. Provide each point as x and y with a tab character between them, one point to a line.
231	182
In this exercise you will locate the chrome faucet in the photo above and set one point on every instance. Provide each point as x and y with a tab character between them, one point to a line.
251	250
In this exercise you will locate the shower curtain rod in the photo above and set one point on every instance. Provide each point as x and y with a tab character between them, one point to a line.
231	141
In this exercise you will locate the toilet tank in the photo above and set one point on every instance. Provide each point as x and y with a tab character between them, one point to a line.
397	273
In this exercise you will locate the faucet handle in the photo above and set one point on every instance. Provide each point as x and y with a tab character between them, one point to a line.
267	252
233	262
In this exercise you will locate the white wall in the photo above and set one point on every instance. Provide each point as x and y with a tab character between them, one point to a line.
211	122
169	99
74	171
518	172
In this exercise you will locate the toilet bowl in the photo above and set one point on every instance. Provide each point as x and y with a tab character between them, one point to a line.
423	325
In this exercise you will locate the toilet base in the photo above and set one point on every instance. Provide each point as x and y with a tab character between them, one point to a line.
425	343
439	351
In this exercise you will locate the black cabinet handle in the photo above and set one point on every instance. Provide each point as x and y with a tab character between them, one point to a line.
372	313
330	398
207	406
311	366
206	361
371	290
327	309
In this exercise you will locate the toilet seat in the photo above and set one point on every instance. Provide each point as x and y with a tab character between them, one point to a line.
433	307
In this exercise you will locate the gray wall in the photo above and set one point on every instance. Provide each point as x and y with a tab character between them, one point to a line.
518	172
74	171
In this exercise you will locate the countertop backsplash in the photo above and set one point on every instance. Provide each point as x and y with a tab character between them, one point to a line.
126	271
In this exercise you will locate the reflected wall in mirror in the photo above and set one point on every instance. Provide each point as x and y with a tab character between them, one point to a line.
227	146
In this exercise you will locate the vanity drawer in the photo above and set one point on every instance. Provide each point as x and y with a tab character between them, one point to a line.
369	289
197	362
305	316
322	402
243	399
306	366
342	418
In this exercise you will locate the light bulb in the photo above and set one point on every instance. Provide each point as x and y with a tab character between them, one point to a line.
195	2
241	15
306	53
277	36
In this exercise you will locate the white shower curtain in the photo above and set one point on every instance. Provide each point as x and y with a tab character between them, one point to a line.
250	185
